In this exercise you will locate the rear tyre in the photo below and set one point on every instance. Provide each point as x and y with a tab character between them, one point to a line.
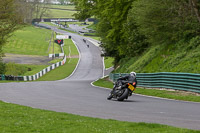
124	95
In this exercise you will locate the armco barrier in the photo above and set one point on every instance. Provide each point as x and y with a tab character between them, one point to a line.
35	76
44	71
177	81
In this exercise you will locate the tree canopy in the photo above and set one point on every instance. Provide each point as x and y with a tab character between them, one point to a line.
128	27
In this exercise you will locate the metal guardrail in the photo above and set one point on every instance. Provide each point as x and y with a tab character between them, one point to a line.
177	81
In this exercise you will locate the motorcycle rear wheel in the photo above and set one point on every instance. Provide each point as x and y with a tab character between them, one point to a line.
124	95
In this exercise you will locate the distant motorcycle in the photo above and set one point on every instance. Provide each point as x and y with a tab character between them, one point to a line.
121	92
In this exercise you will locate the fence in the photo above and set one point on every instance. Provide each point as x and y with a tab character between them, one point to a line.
177	81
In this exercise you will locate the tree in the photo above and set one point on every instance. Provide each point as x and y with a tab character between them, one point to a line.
9	22
128	27
40	8
165	21
196	7
9	19
85	8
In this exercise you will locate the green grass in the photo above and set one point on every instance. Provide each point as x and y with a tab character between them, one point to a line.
29	41
57	74
23	69
177	95
69	46
67	30
92	26
55	48
49	23
65	70
60	72
56	13
55	60
180	57
21	119
68	7
108	62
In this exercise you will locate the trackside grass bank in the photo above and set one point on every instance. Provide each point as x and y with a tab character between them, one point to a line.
61	11
108	62
29	40
177	95
60	72
67	69
21	119
57	74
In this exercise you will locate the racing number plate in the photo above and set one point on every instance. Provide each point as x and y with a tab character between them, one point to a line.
131	87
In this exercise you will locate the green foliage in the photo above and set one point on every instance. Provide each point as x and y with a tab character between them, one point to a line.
85	8
165	21
109	62
139	62
2	68
23	69
148	35
179	57
14	69
9	22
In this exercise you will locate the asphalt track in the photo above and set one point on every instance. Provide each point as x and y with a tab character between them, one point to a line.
76	95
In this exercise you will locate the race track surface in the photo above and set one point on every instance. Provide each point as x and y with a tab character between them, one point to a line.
76	95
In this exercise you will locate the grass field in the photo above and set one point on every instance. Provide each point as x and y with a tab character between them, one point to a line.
61	11
68	7
56	13
69	47
65	70
60	72
177	95
23	69
21	119
29	41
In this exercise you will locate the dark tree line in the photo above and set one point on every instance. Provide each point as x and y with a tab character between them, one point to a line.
128	27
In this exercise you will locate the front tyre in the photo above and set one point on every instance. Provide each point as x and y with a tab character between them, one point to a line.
110	96
124	95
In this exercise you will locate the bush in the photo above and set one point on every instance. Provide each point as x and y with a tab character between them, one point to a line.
2	68
15	69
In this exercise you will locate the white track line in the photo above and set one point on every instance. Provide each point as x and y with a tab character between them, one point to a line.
78	60
145	95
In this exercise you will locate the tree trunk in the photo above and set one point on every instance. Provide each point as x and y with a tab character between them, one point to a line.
196	10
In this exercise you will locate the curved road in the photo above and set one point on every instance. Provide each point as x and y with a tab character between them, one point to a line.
77	96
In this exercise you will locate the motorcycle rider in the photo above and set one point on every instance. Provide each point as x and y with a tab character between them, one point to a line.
131	78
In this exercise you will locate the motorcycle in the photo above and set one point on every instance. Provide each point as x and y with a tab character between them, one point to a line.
121	92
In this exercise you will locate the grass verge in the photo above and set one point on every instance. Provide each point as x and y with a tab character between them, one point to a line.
108	62
60	72
29	41
23	69
65	70
177	95
21	119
